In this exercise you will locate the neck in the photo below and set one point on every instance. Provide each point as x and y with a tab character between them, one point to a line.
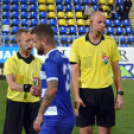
94	35
49	48
24	53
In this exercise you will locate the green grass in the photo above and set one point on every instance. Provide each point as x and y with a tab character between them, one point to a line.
124	117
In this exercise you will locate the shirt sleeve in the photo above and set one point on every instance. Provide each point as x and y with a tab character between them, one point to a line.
74	57
51	69
115	52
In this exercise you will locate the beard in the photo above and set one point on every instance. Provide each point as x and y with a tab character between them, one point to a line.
40	51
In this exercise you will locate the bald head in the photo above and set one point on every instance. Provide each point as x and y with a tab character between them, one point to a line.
96	15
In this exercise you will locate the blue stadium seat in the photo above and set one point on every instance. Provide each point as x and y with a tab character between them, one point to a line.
15	14
24	15
15	45
6	22
95	7
89	29
33	1
42	15
82	30
72	30
59	2
111	35
15	22
53	22
15	1
60	8
13	38
24	22
63	29
7	45
67	2
6	7
57	45
33	15
108	22
23	1
24	7
119	2
34	22
117	22
119	30
120	8
25	27
6	1
56	38
5	37
33	7
6	14
129	30
123	45
110	30
65	45
130	39
126	22
42	21
94	2
85	2
64	38
85	6
77	2
15	29
116	15
73	37
78	8
55	29
122	39
69	8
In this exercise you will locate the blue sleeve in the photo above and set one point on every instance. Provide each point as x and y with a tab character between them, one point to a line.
51	69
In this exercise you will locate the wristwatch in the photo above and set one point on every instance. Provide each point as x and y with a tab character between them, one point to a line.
120	92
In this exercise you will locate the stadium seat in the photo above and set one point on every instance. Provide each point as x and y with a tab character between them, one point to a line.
15	1
78	8
25	27
59	2
73	37
63	29
64	38
126	22
51	15
15	22
34	22
23	1
33	8
24	22
77	2
119	30
69	8
51	7
107	15
94	2
122	39
120	8
70	15
117	22
119	2
6	1
41	1
62	22
53	22
114	38
89	29
55	29
65	45
110	30
102	2
24	15
6	14
87	22
7	45
85	6
110	2
85	2
15	14
80	22
61	15
82	30
6	7
72	30
116	15
42	21
67	2
57	45
42	15
15	29
79	15
42	7
50	2
6	22
123	45
60	8
33	15
33	1
129	30
105	7
71	22
56	38
95	7
130	39
24	7
5	37
15	45
108	22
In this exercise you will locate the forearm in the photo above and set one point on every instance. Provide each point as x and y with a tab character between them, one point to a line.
16	86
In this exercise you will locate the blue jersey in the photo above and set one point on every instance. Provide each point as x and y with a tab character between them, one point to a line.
57	67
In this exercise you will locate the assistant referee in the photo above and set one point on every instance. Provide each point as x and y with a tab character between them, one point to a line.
91	57
21	70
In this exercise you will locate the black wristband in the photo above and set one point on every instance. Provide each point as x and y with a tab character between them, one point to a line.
27	87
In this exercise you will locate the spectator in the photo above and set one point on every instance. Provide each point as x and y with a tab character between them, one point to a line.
113	10
100	8
89	10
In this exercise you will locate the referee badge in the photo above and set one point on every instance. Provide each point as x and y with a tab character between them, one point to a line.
104	58
35	80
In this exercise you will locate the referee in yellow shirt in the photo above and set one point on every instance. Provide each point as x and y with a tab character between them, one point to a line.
22	71
91	57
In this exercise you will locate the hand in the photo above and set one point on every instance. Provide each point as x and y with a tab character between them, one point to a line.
37	123
78	103
119	100
35	90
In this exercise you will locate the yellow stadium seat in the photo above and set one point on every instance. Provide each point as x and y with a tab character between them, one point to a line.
61	15
110	2
50	1
105	7
87	23
41	1
42	7
107	15
79	15
51	7
62	22
51	15
103	2
71	22
70	15
80	22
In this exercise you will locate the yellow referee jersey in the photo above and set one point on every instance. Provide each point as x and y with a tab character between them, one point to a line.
94	60
24	74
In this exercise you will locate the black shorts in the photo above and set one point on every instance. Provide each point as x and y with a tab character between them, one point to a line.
100	104
19	114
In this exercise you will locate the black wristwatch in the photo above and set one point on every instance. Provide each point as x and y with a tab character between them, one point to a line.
120	92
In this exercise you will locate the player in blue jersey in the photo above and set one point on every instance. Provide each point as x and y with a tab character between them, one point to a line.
56	109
